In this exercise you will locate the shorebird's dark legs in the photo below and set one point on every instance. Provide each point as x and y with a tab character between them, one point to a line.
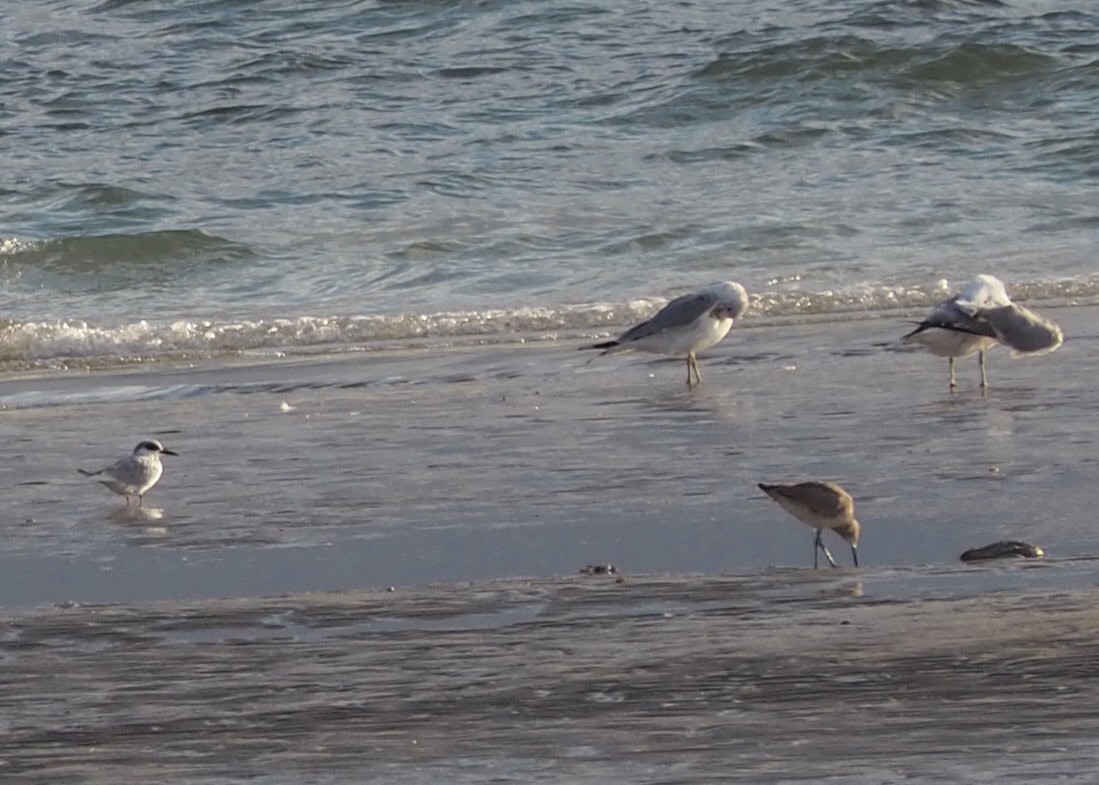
818	545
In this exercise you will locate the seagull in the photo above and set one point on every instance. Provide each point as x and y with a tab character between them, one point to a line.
977	319
133	475
685	326
821	505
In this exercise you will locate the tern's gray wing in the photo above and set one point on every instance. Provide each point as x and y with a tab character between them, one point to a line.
680	312
109	470
1023	330
128	470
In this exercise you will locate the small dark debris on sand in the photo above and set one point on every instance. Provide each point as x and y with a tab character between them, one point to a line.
599	569
1005	549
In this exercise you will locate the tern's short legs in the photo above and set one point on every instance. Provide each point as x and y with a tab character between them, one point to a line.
981	361
953	381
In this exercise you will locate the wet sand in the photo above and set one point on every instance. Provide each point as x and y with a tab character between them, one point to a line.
787	677
476	480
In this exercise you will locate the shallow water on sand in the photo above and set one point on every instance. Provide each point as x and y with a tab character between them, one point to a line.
365	470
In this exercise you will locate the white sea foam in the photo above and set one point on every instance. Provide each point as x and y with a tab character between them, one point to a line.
82	343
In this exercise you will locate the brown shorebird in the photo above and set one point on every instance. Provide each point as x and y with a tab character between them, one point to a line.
977	319
821	505
685	326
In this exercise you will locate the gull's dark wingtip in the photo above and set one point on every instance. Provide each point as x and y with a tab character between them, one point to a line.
920	327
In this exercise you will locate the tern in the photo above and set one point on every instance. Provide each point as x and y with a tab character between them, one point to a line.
133	475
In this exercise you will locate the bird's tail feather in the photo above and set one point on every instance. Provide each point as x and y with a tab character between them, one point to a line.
920	327
954	328
604	345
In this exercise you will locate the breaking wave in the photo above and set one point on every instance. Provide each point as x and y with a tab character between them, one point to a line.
38	344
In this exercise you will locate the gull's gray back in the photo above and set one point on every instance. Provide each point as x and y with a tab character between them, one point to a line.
680	312
985	309
951	315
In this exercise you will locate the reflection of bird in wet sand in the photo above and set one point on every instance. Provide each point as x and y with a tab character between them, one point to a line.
133	475
821	505
978	318
685	326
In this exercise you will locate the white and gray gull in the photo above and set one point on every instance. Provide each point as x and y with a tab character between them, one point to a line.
685	326
977	319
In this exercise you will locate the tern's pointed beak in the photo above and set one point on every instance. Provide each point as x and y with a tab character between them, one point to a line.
169	452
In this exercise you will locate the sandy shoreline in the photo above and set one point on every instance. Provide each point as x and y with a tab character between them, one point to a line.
449	473
651	679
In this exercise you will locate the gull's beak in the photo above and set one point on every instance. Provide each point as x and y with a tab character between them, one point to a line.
169	452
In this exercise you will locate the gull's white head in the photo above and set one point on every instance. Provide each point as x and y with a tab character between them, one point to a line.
984	292
152	447
732	296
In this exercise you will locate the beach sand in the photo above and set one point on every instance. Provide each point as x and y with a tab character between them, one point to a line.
476	480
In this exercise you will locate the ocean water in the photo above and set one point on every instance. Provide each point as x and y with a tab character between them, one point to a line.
340	255
220	178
